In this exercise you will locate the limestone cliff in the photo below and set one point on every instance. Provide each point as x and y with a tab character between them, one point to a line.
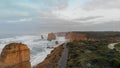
51	36
52	60
15	55
71	36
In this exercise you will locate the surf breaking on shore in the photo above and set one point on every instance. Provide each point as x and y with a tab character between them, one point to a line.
38	46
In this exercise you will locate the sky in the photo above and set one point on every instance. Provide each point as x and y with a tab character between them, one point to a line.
34	16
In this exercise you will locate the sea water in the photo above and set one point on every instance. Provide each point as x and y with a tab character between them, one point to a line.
38	46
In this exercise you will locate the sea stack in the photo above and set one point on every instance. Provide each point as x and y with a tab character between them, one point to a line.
15	55
51	36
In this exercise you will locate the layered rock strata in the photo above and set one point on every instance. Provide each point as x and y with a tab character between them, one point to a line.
71	36
15	55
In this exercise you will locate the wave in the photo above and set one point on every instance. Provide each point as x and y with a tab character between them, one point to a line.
37	45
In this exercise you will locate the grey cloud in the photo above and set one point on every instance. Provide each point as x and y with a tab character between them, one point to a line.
104	4
43	20
12	9
109	26
88	18
50	5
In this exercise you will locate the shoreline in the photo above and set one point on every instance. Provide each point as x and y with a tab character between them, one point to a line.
52	59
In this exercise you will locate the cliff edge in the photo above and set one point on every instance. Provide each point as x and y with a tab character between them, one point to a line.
52	60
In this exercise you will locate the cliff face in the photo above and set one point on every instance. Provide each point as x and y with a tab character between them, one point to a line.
115	38
15	55
51	36
52	60
75	37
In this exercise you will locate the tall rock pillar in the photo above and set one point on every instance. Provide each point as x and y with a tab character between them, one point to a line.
15	55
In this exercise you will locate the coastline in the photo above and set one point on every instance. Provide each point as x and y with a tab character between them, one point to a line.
52	59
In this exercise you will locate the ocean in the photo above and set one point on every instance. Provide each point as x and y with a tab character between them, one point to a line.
38	46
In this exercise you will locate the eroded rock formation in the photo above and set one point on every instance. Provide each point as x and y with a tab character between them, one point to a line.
15	55
51	36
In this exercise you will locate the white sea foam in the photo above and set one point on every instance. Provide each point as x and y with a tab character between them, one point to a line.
38	46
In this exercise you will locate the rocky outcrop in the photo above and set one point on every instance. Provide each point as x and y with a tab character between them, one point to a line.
51	36
71	36
15	55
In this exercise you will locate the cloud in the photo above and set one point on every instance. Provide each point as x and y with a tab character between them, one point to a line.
60	15
93	11
88	18
104	4
104	15
29	8
19	20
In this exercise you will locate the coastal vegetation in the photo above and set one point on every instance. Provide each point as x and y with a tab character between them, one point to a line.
117	46
92	54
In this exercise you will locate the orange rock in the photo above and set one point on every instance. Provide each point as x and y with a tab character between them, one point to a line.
51	36
15	54
75	37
